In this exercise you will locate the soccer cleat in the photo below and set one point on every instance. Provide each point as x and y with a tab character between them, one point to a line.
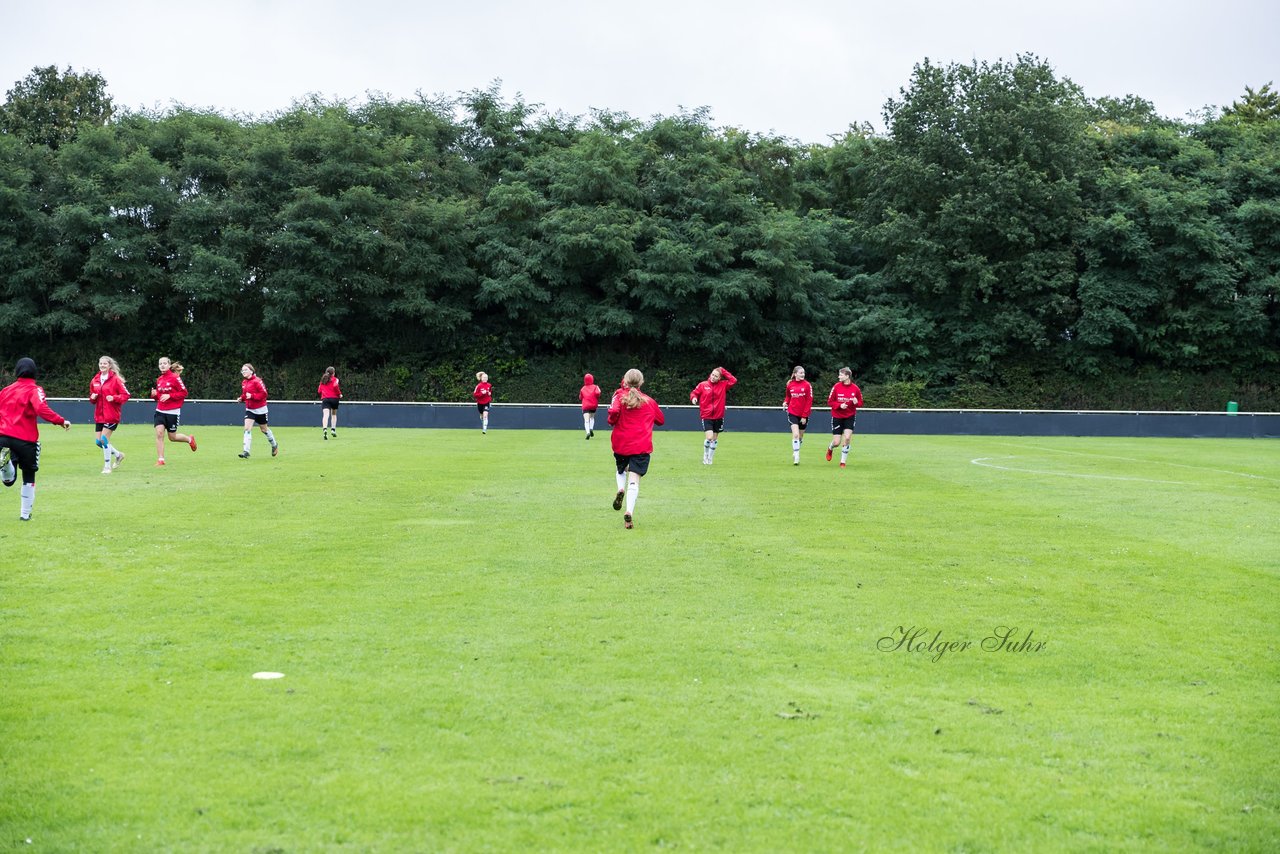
275	450
828	454
796	461
617	499
591	432
326	435
842	465
335	432
117	460
24	518
244	455
626	521
106	469
191	440
160	462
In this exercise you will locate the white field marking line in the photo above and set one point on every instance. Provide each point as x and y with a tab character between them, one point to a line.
982	461
1145	462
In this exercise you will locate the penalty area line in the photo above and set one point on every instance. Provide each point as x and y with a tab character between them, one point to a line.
984	461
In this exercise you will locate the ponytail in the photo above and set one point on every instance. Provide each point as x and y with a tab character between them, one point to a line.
328	375
633	379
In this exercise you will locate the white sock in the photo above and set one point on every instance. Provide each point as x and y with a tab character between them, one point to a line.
711	452
795	445
844	453
271	438
484	421
591	421
633	492
10	471
586	423
248	440
622	481
28	498
106	454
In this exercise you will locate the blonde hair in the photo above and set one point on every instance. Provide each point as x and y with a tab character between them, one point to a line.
846	372
176	368
115	366
633	379
251	368
480	375
795	370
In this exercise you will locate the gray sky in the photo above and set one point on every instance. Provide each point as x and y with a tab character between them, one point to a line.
802	69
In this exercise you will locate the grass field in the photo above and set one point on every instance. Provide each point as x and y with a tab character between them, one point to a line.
477	656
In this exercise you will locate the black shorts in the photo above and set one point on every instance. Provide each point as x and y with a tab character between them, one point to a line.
638	463
839	425
801	420
259	418
329	403
591	411
26	456
167	420
715	425
482	407
98	426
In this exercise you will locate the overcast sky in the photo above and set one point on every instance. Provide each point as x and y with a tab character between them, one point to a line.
804	70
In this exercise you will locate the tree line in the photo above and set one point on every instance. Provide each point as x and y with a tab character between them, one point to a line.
1006	240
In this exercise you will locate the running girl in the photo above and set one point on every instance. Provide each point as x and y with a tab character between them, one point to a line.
798	402
633	416
589	394
330	393
169	392
20	404
484	396
108	393
709	397
844	400
254	395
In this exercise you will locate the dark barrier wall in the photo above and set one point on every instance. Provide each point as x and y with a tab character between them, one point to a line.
741	419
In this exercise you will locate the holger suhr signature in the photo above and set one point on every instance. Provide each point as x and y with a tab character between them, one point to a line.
931	643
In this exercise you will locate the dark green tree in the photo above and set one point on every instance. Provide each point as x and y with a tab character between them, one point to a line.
48	107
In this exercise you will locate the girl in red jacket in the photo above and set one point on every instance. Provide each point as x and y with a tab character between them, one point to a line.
589	394
844	400
330	393
169	392
633	416
709	397
254	395
20	404
798	401
108	393
484	396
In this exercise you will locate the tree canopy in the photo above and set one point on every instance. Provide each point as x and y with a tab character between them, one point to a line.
1004	224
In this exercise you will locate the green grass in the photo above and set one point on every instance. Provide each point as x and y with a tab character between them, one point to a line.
477	656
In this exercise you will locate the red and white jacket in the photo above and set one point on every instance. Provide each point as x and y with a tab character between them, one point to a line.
589	394
107	411
329	390
171	384
844	400
20	404
253	393
483	393
710	396
799	398
633	428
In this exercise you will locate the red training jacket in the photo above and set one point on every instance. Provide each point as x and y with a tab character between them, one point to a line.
799	398
589	394
171	384
483	393
253	393
107	411
329	390
20	403
633	428
710	396
844	400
